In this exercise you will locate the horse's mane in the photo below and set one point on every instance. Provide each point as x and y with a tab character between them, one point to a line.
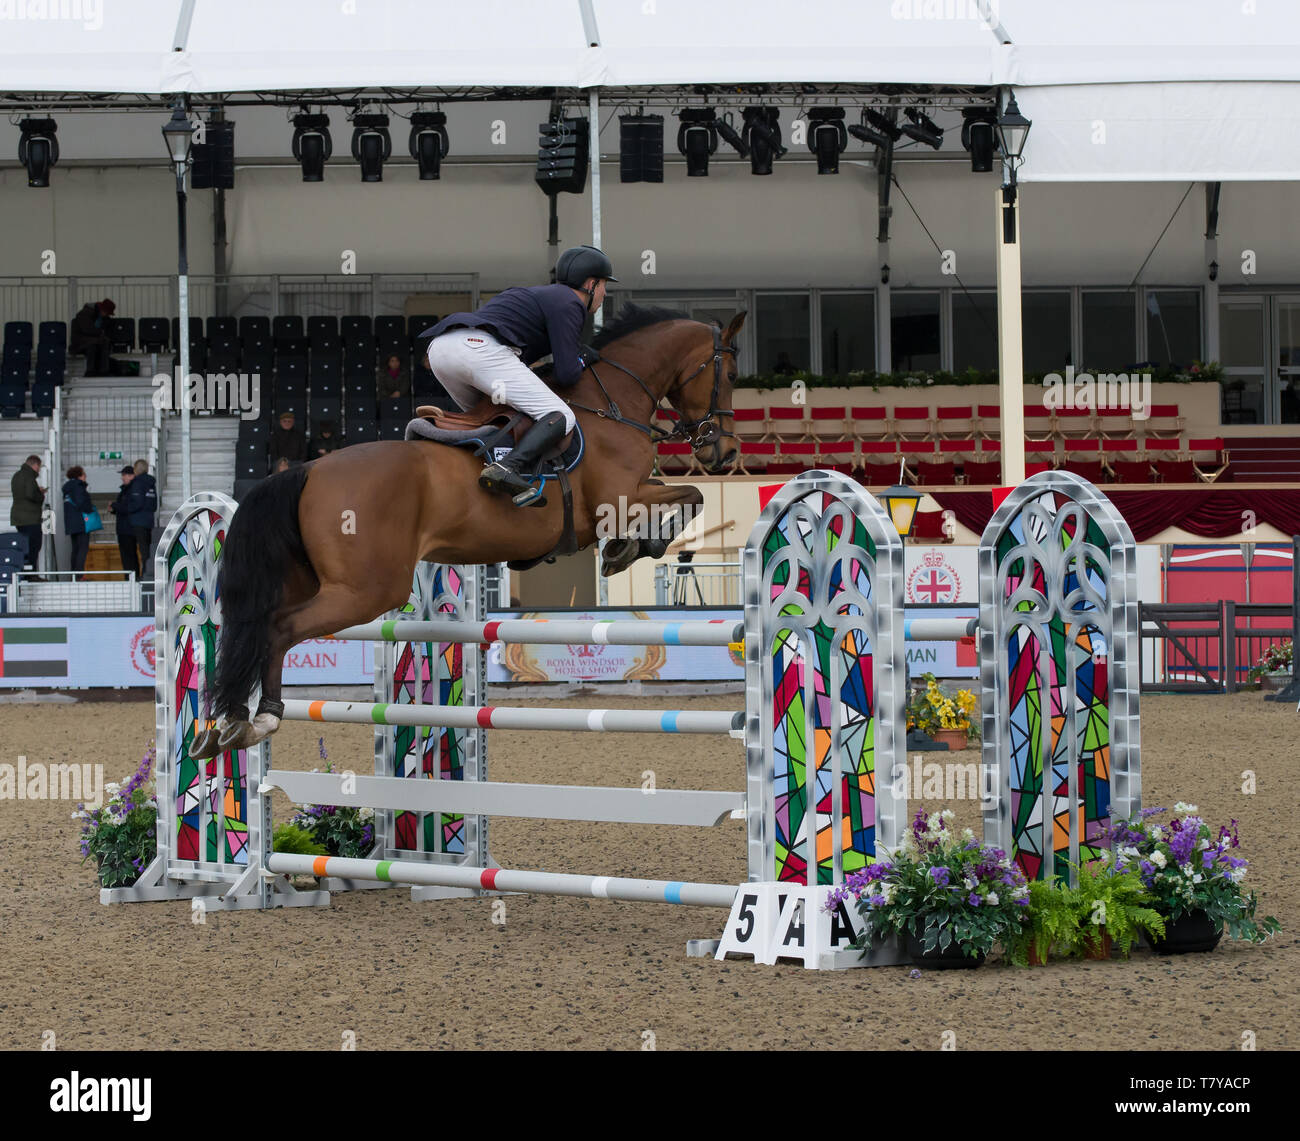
633	317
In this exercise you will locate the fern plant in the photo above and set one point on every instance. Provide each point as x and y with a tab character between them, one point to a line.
296	841
1113	902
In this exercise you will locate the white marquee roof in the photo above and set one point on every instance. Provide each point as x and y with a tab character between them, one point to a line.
1186	88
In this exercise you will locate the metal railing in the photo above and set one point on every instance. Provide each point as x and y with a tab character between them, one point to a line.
1206	647
39	299
698	584
74	592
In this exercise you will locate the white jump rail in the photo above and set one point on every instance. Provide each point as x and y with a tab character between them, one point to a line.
514	717
561	632
505	880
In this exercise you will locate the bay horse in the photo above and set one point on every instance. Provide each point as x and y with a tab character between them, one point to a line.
335	542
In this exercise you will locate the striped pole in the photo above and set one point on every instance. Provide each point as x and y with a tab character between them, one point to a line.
504	880
540	631
512	717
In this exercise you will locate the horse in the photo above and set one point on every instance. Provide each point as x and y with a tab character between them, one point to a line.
335	542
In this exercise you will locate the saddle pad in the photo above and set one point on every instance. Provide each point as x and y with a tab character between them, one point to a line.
492	436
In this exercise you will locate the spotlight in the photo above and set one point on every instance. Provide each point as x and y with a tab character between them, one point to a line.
731	136
38	149
827	137
428	143
762	133
882	124
312	145
371	145
977	137
697	138
870	136
922	128
641	148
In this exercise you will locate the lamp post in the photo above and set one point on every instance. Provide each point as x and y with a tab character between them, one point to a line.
178	134
1013	130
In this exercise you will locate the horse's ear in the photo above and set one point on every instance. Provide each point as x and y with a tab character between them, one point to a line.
733	327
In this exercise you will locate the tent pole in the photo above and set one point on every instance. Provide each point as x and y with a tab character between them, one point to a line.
593	104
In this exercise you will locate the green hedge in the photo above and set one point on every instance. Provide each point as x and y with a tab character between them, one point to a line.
1196	374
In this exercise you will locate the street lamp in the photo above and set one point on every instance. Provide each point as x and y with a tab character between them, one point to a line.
901	503
178	134
1013	130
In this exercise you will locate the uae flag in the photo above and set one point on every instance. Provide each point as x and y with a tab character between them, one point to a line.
34	651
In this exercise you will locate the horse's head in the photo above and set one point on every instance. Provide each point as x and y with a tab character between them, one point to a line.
701	393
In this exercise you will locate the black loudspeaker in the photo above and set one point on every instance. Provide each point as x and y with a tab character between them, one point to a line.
562	156
214	160
641	148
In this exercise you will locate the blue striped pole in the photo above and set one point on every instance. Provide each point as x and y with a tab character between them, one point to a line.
505	880
561	632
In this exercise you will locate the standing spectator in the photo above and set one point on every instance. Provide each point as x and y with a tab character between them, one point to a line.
25	514
280	465
76	506
125	536
90	335
394	379
141	507
288	441
325	441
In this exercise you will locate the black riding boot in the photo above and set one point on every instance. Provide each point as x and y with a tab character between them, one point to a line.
514	474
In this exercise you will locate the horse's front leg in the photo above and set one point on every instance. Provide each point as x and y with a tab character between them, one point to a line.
656	514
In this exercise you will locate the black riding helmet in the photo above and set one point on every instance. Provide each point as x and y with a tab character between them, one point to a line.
581	262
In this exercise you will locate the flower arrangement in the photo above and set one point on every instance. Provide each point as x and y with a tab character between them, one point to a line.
1187	869
122	835
1277	658
340	831
931	709
941	888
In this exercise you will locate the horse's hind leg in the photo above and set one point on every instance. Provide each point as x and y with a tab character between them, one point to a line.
333	608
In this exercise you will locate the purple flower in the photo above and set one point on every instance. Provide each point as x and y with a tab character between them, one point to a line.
973	900
1150	812
876	900
940	876
1183	844
913	974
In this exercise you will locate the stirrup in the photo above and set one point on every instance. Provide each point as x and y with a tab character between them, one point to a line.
533	497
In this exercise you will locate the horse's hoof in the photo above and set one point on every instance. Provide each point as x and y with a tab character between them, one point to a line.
207	744
619	554
232	736
264	724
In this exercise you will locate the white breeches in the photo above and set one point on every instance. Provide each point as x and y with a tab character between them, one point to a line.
470	362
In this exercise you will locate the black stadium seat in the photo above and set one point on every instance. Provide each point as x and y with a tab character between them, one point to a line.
121	334
418	322
155	334
255	327
353	326
53	331
287	329
222	327
18	332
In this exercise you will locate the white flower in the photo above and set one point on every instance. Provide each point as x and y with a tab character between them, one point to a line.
991	899
1197	878
366	813
1157	832
967	834
1105	856
1203	845
1130	852
948	814
888	890
112	787
969	881
1020	892
1158	858
1181	809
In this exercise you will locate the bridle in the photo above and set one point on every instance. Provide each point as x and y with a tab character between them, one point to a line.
698	433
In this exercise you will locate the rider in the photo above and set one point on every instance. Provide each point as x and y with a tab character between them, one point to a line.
488	351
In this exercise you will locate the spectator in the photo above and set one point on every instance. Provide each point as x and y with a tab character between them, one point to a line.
90	335
25	514
325	441
141	507
280	465
288	441
125	536
394	379
784	365
76	506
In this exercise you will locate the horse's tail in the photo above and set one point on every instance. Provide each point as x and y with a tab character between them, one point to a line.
262	545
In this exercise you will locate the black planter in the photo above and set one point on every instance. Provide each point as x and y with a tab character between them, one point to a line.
1192	932
950	958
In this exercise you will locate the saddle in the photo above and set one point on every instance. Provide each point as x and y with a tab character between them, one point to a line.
489	426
